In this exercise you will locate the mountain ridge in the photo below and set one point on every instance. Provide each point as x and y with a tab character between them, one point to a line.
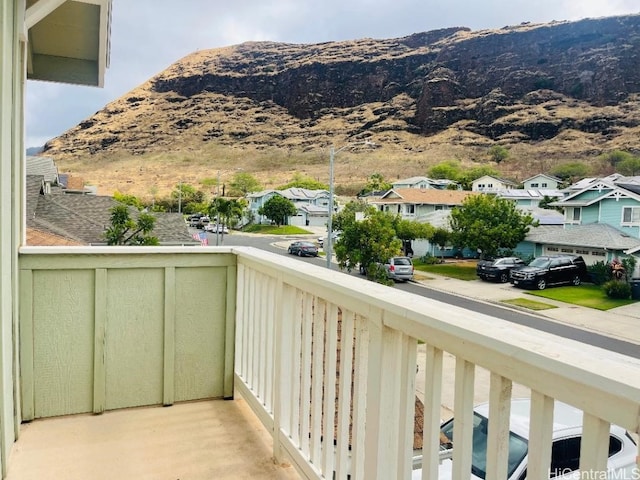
548	92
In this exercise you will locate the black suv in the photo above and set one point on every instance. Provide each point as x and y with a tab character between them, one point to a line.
497	269
550	270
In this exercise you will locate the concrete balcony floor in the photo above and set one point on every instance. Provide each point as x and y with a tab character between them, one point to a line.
214	439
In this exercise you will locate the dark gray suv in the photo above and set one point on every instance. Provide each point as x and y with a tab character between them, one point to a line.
550	270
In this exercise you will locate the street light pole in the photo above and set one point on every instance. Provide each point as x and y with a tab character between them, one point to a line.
329	244
332	155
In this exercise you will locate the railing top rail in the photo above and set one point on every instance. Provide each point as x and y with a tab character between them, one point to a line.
121	250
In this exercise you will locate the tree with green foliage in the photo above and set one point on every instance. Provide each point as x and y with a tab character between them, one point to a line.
409	230
128	200
366	243
227	211
546	200
188	198
278	209
488	224
242	184
301	181
616	157
126	231
629	166
376	183
440	237
449	170
571	171
498	153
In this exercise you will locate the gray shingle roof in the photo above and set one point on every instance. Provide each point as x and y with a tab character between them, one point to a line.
84	218
594	235
42	166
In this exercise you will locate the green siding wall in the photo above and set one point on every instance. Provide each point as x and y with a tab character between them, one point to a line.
103	332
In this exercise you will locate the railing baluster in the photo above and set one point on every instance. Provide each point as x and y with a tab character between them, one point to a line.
330	379
296	370
499	414
540	436
360	379
269	329
594	447
463	425
432	410
407	407
317	379
344	395
305	395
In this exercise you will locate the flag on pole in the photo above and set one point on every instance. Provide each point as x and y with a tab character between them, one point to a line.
202	238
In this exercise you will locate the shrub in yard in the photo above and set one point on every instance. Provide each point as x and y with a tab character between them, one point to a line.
616	289
429	259
599	272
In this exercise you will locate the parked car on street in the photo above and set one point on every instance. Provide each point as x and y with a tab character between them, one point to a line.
550	270
399	269
498	269
216	227
335	237
565	449
303	249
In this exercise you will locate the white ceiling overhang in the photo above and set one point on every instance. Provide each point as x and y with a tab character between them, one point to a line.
68	40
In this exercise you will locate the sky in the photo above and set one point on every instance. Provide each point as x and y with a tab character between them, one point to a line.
149	35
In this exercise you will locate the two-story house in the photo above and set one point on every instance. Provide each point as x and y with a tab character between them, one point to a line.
424	183
601	222
413	203
488	184
542	181
312	205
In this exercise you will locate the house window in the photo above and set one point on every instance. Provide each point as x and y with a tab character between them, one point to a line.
481	186
573	214
544	185
552	249
631	215
439	207
411	209
567	250
534	185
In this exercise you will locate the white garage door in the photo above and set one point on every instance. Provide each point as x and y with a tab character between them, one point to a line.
590	255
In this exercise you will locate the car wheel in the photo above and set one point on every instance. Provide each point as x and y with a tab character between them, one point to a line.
576	280
299	253
289	251
504	277
542	284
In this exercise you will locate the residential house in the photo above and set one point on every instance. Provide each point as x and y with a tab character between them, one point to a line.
83	219
45	167
601	221
413	203
424	183
489	184
312	205
542	181
528	197
88	330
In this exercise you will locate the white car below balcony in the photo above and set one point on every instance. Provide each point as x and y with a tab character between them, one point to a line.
212	227
565	451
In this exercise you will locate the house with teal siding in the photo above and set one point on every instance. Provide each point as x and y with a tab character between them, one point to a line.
601	222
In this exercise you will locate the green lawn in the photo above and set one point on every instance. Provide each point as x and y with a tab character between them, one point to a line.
273	230
586	295
530	304
459	270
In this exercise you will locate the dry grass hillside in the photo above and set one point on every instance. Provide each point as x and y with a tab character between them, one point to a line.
551	94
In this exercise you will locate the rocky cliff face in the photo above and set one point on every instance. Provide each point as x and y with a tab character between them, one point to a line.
527	83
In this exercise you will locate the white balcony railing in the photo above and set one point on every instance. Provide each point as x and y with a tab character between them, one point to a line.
327	361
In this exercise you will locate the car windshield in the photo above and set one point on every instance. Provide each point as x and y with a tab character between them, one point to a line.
540	262
517	446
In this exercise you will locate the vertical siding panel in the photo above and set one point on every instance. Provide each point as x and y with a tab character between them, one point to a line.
463	426
499	413
241	294
540	436
432	408
229	330
169	336
26	345
99	368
